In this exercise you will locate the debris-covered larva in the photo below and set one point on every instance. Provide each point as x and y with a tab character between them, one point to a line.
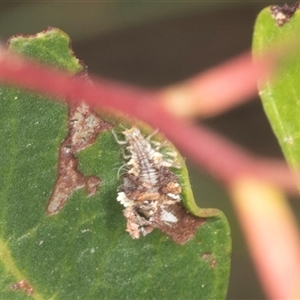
149	186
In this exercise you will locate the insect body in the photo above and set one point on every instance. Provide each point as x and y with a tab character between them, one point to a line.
148	186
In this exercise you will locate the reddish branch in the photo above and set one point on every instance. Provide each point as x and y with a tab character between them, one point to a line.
219	157
217	89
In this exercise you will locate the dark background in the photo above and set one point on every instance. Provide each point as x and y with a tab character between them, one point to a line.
154	44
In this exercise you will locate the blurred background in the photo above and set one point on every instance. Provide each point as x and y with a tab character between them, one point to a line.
153	44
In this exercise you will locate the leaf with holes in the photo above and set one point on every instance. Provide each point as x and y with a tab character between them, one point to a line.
62	232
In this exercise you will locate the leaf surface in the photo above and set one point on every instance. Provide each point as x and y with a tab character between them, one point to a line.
280	93
83	251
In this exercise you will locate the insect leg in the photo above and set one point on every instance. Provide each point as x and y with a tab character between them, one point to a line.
117	140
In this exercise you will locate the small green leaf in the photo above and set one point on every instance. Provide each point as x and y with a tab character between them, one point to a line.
280	93
83	251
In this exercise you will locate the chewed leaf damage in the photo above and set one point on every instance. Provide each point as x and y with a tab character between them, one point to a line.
84	126
282	14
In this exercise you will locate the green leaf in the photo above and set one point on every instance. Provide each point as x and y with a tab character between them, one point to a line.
280	93
83	251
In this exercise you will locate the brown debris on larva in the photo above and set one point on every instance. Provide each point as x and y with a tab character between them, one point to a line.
84	126
150	191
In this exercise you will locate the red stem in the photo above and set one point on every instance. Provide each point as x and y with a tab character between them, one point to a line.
217	89
222	159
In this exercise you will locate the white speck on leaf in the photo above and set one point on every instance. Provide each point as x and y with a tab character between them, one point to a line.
289	140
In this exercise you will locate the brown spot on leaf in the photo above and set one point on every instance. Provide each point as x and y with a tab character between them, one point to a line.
84	126
282	14
206	255
183	229
209	257
91	184
213	263
24	286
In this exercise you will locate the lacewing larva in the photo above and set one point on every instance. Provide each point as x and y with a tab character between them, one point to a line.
149	186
